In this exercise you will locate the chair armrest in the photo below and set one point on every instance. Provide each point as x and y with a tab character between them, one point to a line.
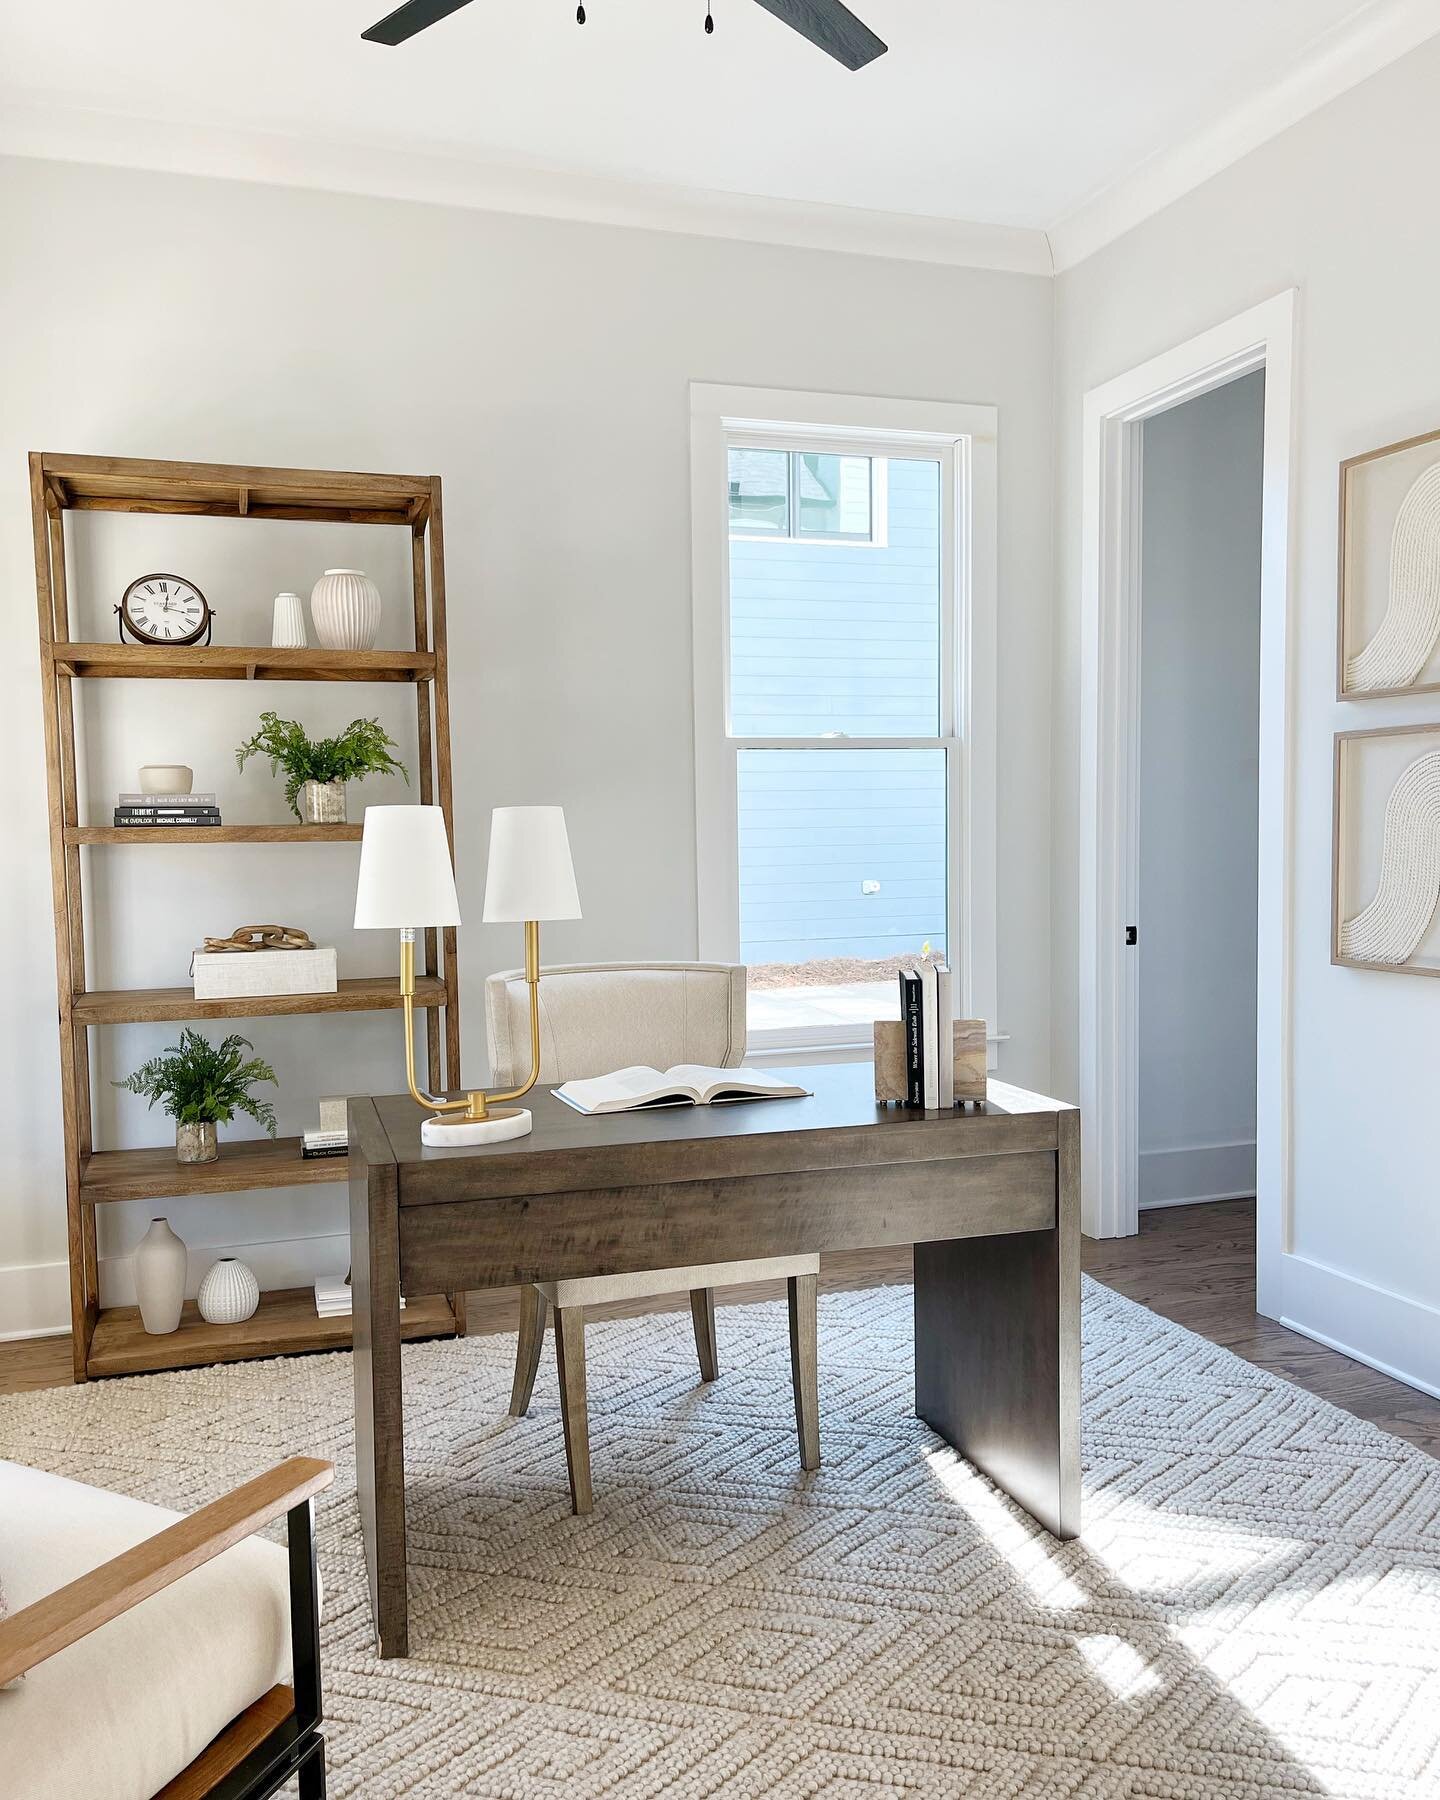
75	1610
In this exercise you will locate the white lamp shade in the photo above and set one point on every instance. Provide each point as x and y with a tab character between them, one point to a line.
405	874
530	874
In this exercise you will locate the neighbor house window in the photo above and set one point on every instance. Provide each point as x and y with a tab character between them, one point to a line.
806	494
835	661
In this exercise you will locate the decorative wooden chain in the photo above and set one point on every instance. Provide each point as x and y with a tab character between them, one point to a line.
262	937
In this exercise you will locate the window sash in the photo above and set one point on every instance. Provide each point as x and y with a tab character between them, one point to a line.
962	437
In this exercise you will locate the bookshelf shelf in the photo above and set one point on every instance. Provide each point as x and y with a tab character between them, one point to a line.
111	1341
284	1324
158	1006
238	662
213	834
246	1166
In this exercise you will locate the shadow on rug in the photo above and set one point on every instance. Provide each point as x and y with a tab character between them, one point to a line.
1252	1611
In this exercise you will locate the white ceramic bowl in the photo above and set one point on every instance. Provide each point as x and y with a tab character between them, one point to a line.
166	778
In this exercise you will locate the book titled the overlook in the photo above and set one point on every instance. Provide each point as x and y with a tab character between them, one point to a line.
687	1084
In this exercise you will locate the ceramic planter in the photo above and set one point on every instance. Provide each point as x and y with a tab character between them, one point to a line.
196	1143
322	802
159	1264
229	1294
345	605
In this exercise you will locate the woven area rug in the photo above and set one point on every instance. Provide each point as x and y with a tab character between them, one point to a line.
1253	1610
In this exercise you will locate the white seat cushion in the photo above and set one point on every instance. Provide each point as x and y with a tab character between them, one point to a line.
596	1290
117	1715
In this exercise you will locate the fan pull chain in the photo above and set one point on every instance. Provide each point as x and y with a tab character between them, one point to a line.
709	20
580	13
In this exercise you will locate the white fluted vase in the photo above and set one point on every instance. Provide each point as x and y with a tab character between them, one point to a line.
229	1293
345	605
159	1264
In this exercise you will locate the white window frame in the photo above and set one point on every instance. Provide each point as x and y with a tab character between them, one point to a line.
962	437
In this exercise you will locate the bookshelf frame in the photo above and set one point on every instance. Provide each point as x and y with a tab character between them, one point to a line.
110	1341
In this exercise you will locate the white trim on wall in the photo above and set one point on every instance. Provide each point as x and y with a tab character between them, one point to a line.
965	435
1109	744
191	147
1193	1174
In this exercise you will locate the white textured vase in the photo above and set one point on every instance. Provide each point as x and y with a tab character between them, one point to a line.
159	1264
345	605
287	631
229	1293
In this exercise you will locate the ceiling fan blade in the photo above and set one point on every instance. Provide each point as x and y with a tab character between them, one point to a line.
833	27
414	16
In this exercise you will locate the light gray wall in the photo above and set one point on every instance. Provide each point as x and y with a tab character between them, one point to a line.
1199	793
542	369
1335	208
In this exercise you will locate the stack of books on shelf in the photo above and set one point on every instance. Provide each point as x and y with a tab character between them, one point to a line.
333	1298
324	1143
927	1012
167	810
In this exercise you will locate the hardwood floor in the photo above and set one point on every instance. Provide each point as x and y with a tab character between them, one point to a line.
1193	1264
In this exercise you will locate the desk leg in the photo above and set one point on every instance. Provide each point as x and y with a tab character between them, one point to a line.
997	1351
379	1424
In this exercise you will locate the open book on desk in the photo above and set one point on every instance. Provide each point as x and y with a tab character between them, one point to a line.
687	1084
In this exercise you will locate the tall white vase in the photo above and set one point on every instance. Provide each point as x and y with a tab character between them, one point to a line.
345	605
159	1263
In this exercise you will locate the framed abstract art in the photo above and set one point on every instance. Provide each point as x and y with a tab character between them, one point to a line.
1386	858
1390	571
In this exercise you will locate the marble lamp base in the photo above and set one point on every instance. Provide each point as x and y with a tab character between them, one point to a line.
451	1134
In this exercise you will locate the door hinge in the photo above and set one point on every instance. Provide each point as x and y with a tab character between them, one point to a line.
1132	935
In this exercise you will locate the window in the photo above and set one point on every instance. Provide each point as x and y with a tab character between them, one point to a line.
843	678
794	494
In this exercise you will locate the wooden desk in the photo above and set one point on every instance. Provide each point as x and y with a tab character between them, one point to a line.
989	1198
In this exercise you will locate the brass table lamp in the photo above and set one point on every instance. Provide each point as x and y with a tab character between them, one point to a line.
406	881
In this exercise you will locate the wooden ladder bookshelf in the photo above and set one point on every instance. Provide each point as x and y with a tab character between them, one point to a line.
111	1341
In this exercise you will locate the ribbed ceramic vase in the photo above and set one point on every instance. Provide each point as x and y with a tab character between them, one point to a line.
287	630
345	605
229	1293
159	1264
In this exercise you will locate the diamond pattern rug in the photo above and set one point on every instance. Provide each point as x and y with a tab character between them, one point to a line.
1253	1610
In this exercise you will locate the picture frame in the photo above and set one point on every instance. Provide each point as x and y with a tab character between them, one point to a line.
1389	571
1386	800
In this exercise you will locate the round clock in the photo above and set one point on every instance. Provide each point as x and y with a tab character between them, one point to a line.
164	609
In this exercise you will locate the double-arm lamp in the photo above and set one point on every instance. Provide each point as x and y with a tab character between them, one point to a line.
406	882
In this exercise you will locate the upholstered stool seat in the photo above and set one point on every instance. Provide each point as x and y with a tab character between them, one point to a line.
121	1712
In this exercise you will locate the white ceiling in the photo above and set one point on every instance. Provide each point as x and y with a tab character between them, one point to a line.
1014	113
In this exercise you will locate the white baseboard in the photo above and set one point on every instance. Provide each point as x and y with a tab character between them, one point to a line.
34	1300
1384	1330
1194	1173
35	1297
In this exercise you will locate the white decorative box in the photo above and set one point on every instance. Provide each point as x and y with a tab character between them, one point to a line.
249	974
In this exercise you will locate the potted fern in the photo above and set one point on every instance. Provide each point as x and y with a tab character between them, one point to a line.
316	769
202	1085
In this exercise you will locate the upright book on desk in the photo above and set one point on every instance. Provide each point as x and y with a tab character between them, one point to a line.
911	1018
687	1084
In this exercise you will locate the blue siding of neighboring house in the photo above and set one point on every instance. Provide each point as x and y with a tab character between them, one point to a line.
841	638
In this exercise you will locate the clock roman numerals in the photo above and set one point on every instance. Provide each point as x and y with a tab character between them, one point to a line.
164	609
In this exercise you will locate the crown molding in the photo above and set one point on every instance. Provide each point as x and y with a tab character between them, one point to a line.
1342	59
173	147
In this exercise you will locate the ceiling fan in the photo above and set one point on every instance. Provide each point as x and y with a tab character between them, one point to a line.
826	23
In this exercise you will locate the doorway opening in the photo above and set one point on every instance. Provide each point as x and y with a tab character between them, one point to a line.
1259	344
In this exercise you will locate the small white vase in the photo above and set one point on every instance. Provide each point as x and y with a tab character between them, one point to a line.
345	605
288	630
159	1264
229	1293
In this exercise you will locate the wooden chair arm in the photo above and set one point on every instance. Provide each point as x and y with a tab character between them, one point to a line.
73	1611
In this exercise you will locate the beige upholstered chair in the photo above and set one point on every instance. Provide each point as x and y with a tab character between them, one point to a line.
597	1017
